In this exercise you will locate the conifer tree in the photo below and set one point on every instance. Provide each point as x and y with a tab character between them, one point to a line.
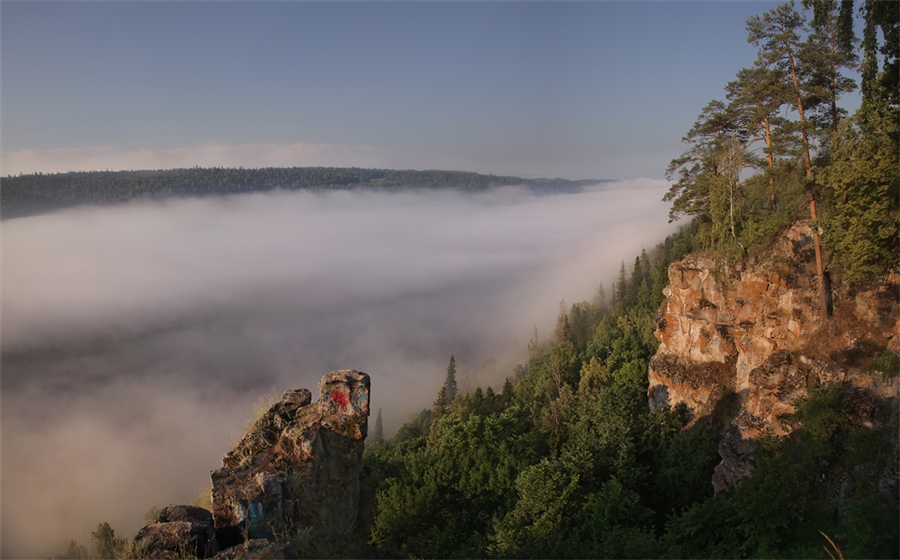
450	388
378	432
777	34
507	392
621	287
563	330
879	88
827	50
756	96
600	300
707	173
439	408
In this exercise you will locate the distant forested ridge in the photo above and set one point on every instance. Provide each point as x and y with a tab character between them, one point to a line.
36	193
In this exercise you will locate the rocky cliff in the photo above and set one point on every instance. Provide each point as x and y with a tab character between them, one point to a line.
753	333
290	486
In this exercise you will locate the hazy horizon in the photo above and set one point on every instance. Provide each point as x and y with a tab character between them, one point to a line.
530	89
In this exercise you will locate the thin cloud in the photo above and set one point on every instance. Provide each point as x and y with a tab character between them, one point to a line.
300	154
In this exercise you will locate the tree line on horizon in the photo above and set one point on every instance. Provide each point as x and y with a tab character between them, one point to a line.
36	193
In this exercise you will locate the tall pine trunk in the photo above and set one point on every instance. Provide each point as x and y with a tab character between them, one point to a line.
820	270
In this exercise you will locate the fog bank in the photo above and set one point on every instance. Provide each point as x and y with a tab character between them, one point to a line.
137	338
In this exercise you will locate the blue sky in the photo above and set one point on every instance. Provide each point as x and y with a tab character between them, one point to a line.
575	90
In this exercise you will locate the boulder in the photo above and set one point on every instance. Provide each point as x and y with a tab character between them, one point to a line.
180	530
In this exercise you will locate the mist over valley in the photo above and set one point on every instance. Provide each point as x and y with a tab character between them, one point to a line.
137	338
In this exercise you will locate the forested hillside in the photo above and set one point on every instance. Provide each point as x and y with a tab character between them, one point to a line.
25	195
568	460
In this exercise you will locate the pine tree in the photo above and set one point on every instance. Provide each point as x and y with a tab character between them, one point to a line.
707	173
827	50
621	288
879	88
600	300
378	432
507	393
563	331
866	180
777	34
450	388
439	408
756	96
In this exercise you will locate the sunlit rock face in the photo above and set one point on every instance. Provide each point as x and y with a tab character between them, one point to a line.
755	330
720	324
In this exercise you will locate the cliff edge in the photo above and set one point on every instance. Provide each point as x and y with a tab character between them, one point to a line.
753	334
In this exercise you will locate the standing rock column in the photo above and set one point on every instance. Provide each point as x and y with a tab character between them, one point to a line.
298	468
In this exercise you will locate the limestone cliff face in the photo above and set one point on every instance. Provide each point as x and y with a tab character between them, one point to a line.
294	474
755	330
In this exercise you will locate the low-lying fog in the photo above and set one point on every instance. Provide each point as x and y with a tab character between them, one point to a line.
136	339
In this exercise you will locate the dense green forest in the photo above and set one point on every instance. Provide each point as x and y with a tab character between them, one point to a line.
567	460
36	193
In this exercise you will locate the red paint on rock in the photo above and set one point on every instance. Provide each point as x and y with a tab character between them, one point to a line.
340	398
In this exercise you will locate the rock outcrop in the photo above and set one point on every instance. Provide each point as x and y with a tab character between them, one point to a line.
178	531
299	466
294	477
755	330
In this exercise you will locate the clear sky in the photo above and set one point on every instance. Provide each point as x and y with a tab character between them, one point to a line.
575	90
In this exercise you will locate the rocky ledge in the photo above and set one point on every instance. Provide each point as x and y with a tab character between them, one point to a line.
293	480
754	331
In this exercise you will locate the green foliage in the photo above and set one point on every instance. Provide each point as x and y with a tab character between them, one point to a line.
770	503
819	412
888	364
536	527
558	464
75	551
378	432
684	462
450	387
706	530
105	542
442	503
871	529
108	546
865	178
414	432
